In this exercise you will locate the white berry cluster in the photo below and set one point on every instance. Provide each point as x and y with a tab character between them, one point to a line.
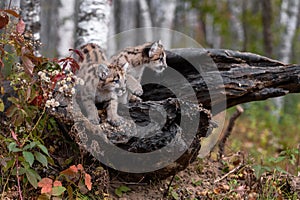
55	80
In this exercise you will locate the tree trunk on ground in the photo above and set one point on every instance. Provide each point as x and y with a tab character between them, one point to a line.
245	77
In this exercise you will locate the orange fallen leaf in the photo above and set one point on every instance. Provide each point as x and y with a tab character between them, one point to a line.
46	185
88	181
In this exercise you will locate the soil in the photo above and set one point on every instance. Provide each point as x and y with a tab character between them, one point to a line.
227	178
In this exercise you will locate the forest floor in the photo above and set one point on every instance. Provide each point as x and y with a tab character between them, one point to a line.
237	175
232	177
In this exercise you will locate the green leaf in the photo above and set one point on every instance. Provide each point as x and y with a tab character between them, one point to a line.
21	171
11	111
70	192
28	157
120	190
32	144
1	105
32	177
41	158
44	149
9	164
58	190
12	147
174	195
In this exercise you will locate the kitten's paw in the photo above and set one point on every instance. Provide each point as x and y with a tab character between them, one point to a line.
116	121
135	98
138	92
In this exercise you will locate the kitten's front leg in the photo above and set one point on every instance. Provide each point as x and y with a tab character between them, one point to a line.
112	113
135	89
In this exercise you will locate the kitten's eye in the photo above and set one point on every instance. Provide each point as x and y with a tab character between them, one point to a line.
116	80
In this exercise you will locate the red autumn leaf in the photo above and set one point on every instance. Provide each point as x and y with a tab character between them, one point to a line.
4	19
88	181
57	183
79	53
14	135
28	64
21	26
12	12
46	185
1	63
79	167
74	66
71	171
38	100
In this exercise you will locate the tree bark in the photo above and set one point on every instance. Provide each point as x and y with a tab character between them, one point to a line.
288	20
92	24
245	77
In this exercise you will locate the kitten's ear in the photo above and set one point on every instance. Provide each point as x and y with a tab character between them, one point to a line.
153	49
103	71
159	42
125	66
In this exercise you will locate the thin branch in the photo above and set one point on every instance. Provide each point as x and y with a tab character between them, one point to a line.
230	172
239	111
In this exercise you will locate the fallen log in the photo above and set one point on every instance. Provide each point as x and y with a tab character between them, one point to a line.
199	83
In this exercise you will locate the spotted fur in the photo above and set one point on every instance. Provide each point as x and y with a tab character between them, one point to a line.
151	55
103	82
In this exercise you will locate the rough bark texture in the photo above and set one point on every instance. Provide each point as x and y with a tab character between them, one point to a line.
92	25
246	77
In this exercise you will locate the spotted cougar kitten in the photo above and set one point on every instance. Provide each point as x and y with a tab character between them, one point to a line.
103	82
151	55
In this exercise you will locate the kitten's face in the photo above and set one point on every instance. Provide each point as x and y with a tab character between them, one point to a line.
157	57
116	81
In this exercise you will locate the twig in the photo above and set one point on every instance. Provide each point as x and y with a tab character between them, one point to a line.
230	172
18	177
169	185
35	126
239	111
6	182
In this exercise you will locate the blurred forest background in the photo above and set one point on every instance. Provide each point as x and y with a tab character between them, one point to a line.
265	27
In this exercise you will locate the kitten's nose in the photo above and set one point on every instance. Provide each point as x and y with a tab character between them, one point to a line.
163	67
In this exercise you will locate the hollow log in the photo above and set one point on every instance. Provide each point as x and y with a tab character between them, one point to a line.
219	79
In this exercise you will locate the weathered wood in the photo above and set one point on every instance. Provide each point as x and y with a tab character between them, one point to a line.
245	77
222	79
